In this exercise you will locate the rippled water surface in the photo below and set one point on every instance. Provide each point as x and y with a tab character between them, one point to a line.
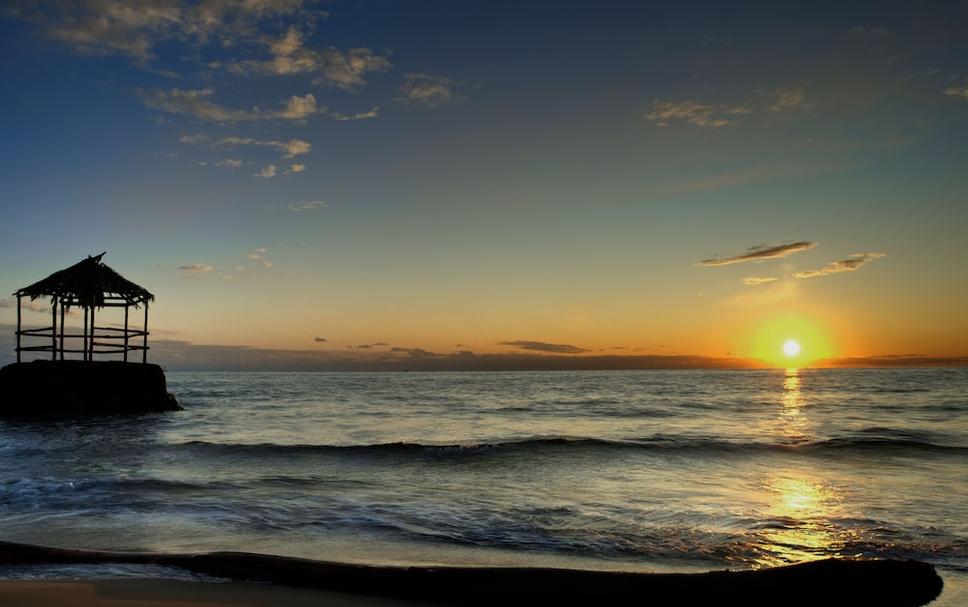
651	469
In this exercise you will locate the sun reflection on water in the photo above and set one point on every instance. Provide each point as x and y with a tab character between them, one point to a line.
800	507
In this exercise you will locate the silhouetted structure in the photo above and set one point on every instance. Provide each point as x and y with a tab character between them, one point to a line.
90	285
60	386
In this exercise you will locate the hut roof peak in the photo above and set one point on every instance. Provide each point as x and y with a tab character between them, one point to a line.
87	283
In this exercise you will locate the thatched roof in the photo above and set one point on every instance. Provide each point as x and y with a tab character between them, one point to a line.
87	283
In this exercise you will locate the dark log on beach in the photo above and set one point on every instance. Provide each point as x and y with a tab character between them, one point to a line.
827	582
70	388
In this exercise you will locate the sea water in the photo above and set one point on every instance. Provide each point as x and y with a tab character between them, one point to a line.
642	470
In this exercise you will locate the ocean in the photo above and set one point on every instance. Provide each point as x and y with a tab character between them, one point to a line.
635	470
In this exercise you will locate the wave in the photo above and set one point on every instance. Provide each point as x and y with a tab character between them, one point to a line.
861	441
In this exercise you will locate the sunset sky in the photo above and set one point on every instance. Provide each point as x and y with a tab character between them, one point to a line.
498	177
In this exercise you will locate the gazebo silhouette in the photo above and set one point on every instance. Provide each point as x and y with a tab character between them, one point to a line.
91	285
62	386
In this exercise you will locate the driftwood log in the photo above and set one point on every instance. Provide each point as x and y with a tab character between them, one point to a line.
826	582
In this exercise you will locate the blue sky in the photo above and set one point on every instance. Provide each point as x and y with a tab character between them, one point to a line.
492	173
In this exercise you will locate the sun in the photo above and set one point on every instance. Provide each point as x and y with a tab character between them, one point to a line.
791	340
791	347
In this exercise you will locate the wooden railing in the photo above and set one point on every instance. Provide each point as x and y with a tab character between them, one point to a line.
89	345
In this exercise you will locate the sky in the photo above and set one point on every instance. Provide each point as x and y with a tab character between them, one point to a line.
363	181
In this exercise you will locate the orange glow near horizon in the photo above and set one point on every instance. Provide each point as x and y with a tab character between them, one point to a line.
791	342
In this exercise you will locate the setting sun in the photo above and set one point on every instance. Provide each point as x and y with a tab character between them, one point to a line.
791	339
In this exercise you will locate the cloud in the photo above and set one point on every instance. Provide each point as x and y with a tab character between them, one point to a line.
957	91
228	162
851	264
760	253
195	268
540	346
291	148
332	67
133	28
320	340
784	100
298	207
258	253
196	103
374	112
416	352
295	168
266	172
297	108
771	293
692	112
196	139
752	281
425	90
374	345
861	31
697	113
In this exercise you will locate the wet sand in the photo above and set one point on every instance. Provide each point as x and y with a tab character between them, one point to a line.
176	593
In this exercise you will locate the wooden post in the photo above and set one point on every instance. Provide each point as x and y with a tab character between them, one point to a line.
84	333
53	328
126	304
18	328
144	352
92	334
62	332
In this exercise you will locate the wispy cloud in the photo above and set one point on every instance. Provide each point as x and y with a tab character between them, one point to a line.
195	268
133	28
266	172
320	340
291	148
198	104
957	91
784	100
540	346
295	168
692	112
860	31
416	352
760	253
753	281
298	207
374	112
850	264
771	293
289	55
664	112
228	162
425	90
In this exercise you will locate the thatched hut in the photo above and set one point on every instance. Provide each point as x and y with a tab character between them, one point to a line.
90	285
71	381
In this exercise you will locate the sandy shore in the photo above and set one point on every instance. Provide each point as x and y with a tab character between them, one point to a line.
173	593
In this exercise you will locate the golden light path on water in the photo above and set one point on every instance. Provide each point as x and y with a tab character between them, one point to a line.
800	504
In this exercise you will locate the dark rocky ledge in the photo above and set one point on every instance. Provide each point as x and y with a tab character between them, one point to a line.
827	582
74	388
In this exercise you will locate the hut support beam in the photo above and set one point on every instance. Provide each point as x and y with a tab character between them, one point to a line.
84	333
144	352
125	331
18	328
62	331
53	328
91	355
